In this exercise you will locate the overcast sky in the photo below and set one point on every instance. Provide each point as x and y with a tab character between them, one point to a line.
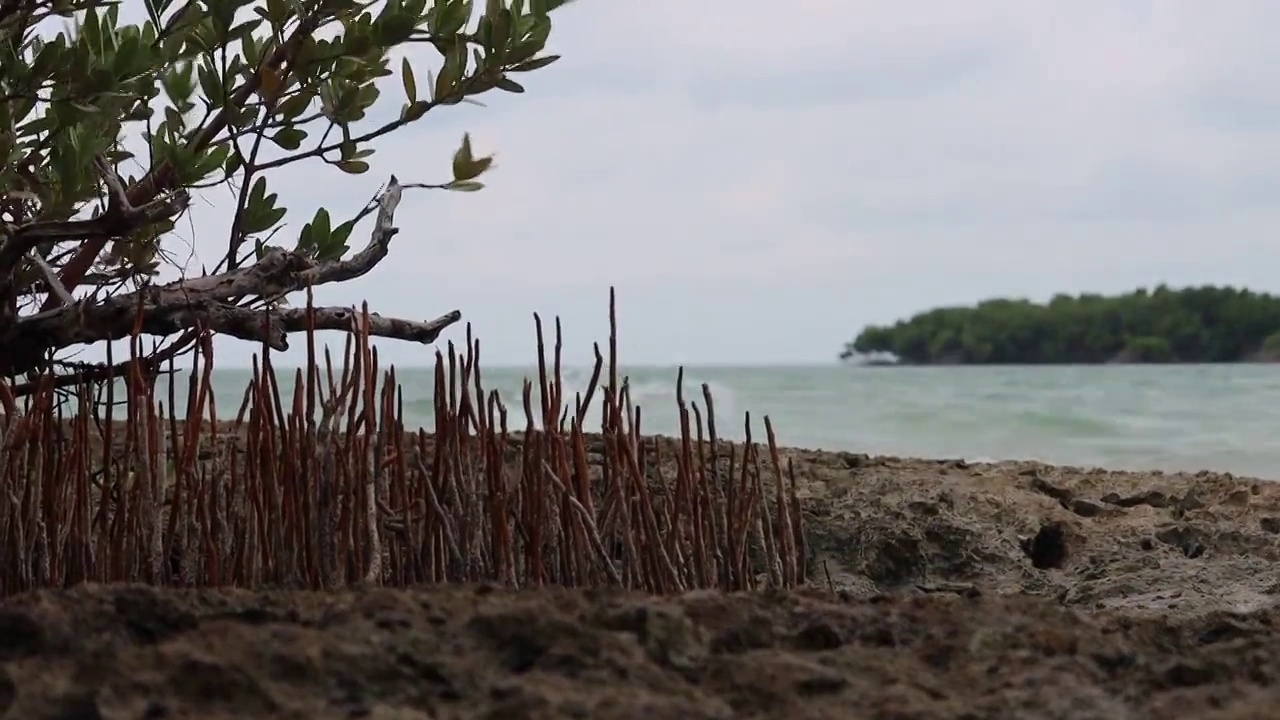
760	179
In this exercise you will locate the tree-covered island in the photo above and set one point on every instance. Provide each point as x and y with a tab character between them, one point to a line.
1193	325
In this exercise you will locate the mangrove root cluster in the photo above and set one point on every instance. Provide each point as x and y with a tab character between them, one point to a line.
320	485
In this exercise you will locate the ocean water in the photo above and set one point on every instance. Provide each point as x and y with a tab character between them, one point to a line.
1223	418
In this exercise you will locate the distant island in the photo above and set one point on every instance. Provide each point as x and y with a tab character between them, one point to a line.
1192	325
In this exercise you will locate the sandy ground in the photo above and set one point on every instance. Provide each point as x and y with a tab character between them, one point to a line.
944	590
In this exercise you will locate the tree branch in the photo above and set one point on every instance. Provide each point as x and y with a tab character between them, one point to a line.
162	176
209	302
51	277
373	253
270	327
120	218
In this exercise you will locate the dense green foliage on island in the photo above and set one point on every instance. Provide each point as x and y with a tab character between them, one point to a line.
1201	324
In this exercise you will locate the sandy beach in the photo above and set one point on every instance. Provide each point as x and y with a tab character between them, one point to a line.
942	590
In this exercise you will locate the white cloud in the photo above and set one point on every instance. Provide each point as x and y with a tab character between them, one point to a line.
763	178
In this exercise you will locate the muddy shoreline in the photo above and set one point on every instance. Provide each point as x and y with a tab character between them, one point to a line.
942	589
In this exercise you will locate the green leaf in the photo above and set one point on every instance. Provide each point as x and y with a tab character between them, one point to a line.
333	251
122	65
232	165
244	33
176	82
173	118
533	42
410	85
533	64
473	169
92	31
215	158
154	9
211	84
316	234
511	86
295	105
118	156
321	225
262	220
343	231
499	35
289	138
464	185
259	191
463	158
306	240
450	17
277	13
550	5
415	111
395	28
452	71
354	167
367	96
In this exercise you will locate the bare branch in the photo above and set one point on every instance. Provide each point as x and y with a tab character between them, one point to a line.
209	302
120	219
73	374
51	277
117	196
270	327
373	253
163	176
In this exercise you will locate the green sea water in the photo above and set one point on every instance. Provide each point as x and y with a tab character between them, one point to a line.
1223	418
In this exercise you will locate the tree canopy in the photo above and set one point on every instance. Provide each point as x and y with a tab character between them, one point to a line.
1197	324
108	128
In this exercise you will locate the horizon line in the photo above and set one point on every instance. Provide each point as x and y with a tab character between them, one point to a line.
564	365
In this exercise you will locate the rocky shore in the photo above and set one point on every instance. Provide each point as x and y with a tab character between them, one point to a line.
943	590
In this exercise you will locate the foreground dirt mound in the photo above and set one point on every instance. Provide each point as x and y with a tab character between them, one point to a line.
944	591
137	652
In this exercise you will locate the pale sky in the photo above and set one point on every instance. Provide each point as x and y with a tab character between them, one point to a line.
760	179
